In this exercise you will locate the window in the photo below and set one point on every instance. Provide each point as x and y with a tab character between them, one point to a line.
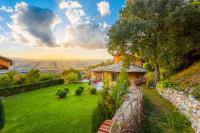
114	76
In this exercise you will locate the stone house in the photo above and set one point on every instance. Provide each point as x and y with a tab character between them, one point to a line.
136	72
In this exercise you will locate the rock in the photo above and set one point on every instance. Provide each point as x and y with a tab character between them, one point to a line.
187	104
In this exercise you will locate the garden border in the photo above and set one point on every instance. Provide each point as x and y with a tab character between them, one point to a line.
28	87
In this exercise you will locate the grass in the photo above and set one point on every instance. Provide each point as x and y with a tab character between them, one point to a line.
161	116
40	111
190	77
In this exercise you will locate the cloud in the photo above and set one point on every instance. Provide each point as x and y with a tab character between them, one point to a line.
33	25
6	9
103	8
81	31
86	35
69	4
73	10
74	15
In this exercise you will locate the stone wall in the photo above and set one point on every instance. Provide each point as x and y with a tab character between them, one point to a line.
186	104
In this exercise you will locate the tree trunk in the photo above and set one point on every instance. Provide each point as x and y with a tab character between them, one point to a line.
157	74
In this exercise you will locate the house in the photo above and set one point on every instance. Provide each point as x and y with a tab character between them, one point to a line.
5	63
136	72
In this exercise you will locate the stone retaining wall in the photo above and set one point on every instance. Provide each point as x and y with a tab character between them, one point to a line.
186	104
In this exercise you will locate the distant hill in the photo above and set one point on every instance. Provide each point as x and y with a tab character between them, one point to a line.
53	64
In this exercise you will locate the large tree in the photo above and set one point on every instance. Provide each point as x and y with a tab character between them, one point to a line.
146	28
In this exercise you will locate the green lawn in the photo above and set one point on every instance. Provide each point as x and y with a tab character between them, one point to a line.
160	116
39	111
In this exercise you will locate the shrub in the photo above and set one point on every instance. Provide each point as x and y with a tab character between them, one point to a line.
33	76
72	77
150	83
66	89
28	87
2	115
175	120
88	88
5	82
66	72
93	91
48	76
78	92
61	93
151	80
166	84
196	92
58	91
105	107
21	80
97	118
13	77
121	89
81	88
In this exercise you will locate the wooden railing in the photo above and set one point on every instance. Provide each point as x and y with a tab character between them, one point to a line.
129	117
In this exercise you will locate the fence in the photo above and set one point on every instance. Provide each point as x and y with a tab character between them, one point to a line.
129	115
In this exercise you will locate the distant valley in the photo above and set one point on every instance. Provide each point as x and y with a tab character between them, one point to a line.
53	64
24	65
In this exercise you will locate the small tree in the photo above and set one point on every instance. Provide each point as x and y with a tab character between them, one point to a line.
66	72
4	81
72	77
105	107
13	77
121	88
33	76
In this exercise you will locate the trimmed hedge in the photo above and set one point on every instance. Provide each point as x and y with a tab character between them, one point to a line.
28	87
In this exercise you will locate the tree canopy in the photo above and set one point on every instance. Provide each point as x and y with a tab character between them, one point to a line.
165	33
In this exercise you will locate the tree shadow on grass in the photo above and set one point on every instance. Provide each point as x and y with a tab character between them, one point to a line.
150	123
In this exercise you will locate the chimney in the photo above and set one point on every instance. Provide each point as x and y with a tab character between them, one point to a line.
138	63
117	58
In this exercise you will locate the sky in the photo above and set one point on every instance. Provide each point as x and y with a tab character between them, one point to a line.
57	29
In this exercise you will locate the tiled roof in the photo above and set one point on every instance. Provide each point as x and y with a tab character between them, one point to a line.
6	59
118	68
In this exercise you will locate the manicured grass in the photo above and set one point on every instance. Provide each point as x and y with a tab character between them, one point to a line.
39	111
160	116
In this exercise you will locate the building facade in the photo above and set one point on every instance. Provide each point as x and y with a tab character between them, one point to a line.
136	72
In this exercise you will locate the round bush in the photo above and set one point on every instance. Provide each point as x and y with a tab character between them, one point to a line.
58	91
61	93
93	91
78	92
66	89
81	88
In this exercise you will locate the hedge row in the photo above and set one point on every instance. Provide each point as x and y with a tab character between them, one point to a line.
28	87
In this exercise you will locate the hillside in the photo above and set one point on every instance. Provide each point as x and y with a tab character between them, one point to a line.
189	77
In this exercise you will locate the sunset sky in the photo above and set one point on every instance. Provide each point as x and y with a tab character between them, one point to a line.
56	29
